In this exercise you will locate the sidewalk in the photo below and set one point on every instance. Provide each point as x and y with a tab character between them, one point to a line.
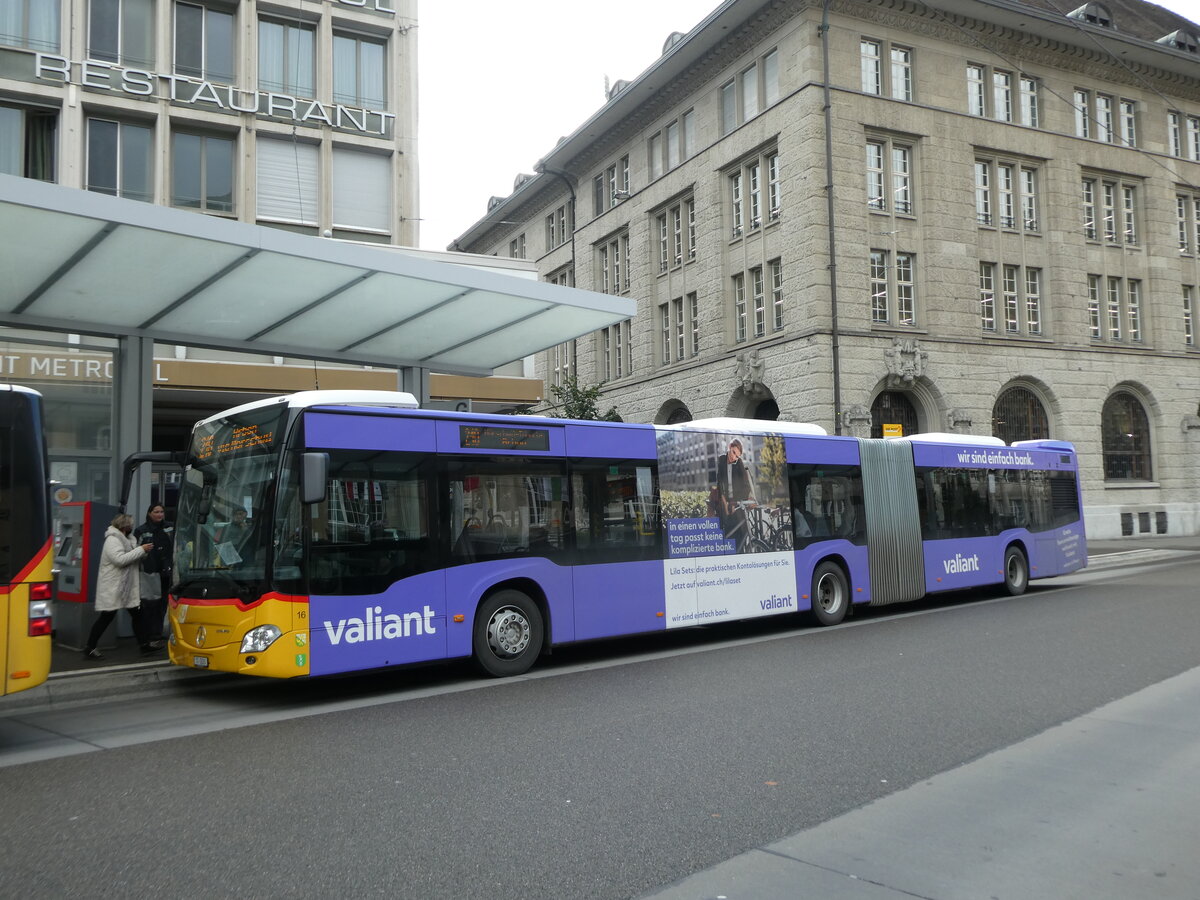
1098	807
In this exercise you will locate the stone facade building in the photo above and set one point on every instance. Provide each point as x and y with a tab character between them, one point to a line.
973	216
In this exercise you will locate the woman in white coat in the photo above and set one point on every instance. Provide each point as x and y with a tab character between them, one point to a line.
118	585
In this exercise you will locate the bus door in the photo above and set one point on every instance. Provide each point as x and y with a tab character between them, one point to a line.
618	572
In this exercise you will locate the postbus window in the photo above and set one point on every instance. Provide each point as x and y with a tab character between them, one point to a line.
616	510
505	506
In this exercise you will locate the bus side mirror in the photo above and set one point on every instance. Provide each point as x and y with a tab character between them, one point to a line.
314	472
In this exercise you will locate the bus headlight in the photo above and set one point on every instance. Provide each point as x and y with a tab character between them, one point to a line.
259	639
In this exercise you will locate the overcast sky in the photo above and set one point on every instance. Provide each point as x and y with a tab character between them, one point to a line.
500	83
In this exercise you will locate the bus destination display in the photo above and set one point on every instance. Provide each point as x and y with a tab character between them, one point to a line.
245	437
486	437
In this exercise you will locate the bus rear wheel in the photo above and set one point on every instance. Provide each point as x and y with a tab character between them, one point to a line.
1016	571
508	634
830	594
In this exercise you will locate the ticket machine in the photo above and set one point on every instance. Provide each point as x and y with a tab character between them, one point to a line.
78	543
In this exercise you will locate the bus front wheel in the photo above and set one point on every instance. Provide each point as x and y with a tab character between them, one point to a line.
830	594
508	634
1016	571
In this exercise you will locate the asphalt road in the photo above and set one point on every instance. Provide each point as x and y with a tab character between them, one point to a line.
613	770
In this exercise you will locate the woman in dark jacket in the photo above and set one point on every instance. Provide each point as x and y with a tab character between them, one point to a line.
156	565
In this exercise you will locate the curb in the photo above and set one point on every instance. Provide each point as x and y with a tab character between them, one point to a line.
1132	558
113	682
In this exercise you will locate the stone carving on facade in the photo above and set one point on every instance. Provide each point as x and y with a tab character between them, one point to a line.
857	421
960	421
751	369
906	362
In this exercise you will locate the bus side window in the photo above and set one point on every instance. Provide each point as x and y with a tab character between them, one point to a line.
615	508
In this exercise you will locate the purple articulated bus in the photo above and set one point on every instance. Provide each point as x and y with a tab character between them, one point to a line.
329	532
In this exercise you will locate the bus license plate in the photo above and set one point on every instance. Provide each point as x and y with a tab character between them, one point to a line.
200	662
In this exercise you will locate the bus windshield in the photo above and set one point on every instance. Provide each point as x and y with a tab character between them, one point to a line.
223	534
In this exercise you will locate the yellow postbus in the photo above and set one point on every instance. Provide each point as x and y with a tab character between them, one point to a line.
25	542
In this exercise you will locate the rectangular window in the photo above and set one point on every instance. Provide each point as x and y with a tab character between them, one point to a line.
987	296
1083	114
1029	101
902	73
749	93
677	235
610	259
664	325
202	172
983	192
1002	96
729	116
735	199
286	62
1090	230
362	193
872	66
204	42
754	182
1193	138
906	291
1128	122
359	71
120	31
1133	308
32	24
690	207
1012	307
876	199
1128	214
760	301
1174	134
879	287
618	348
1094	306
27	142
516	247
1108	210
1183	222
1029	202
774	195
1114	308
287	181
689	134
694	314
1008	207
1189	334
664	256
1104	118
607	353
655	153
1033	300
677	307
777	293
674	154
770	67
889	177
976	105
739	306
120	159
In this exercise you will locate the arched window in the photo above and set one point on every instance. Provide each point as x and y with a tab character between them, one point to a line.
767	410
893	408
1125	432
679	414
1019	416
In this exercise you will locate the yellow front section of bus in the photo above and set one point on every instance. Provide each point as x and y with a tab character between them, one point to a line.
212	635
25	659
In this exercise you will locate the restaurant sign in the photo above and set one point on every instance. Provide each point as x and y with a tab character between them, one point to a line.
180	89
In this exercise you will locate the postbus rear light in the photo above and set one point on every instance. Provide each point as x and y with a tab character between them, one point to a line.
39	617
41	591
